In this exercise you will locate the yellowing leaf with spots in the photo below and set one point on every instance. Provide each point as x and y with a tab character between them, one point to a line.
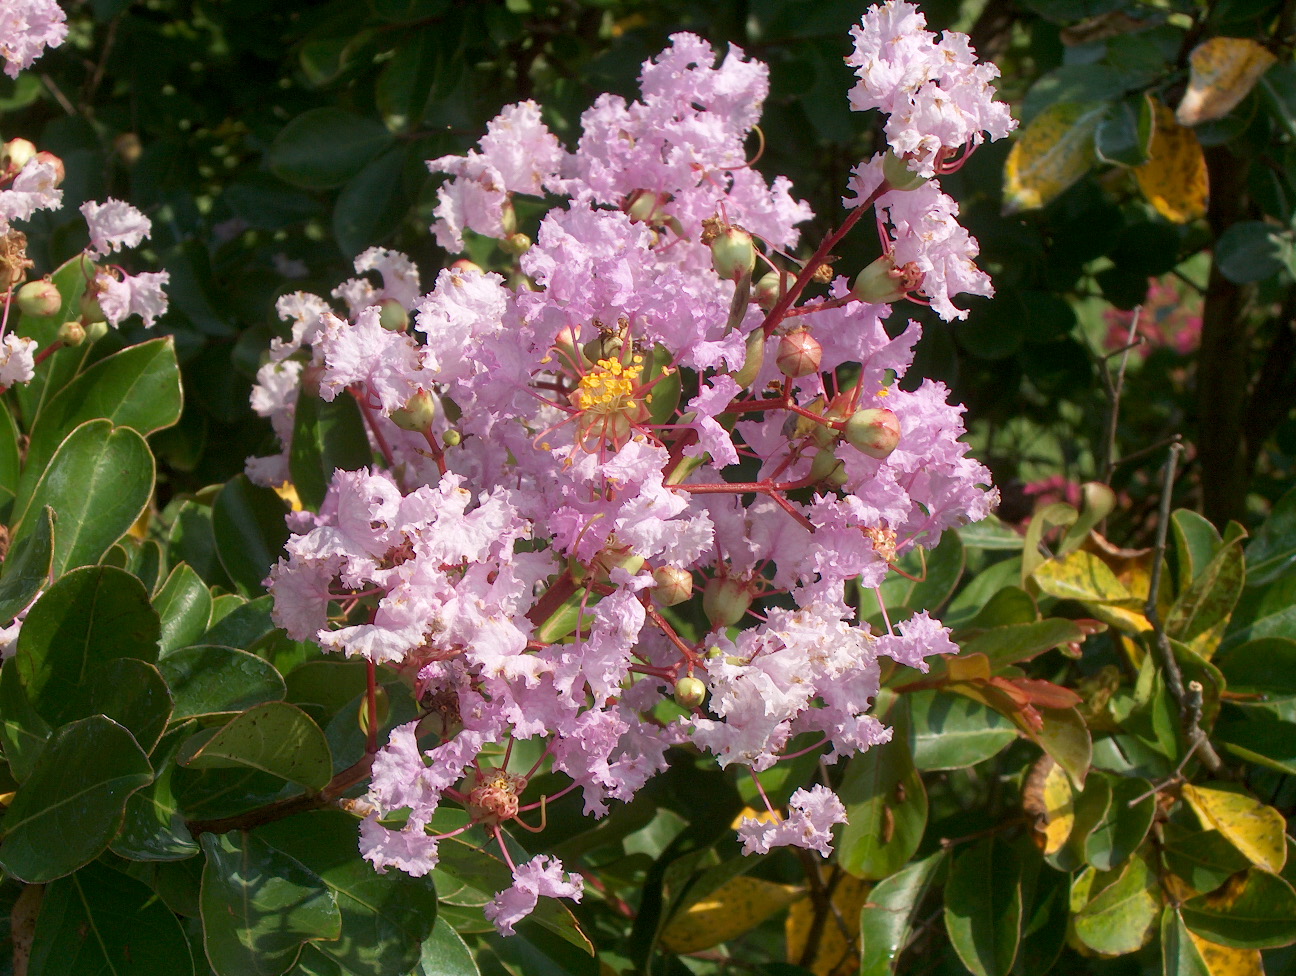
836	950
1224	961
737	906
1174	178
1050	154
1252	827
1048	797
1082	576
1220	74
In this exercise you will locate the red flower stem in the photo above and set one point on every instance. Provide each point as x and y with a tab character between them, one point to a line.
372	422
371	706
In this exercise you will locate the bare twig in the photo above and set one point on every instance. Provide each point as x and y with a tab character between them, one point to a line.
1188	699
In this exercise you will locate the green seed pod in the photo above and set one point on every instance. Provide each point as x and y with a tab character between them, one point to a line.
874	431
725	601
690	692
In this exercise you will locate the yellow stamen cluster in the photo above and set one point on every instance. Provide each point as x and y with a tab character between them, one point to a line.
609	387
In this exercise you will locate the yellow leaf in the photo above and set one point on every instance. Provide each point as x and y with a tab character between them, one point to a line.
1048	797
1223	961
1050	154
760	816
1174	177
1082	576
140	529
737	906
836	951
1252	827
969	667
288	492
1221	72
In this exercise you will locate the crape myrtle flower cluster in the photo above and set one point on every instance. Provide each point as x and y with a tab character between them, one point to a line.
30	181
647	422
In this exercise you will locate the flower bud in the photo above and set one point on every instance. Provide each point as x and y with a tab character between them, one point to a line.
674	585
90	310
603	346
690	692
898	174
516	244
725	601
97	330
827	467
40	298
754	360
770	288
72	333
644	206
17	154
417	414
392	315
799	354
875	431
508	219
733	253
59	171
883	282
463	264
452	438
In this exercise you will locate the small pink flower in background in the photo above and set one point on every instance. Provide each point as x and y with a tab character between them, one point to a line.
1054	488
27	27
1171	318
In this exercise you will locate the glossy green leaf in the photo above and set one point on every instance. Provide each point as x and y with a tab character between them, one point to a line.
1124	135
1271	553
1203	858
153	829
1263	611
70	278
130	692
10	457
326	437
87	618
138	387
1014	643
100	921
886	921
1179	957
1264	668
969	601
239	624
143	558
372	204
1196	541
275	738
1250	251
259	906
886	803
248	522
1262	915
324	147
1123	827
1121	916
1261	739
27	567
71	805
1090	808
384	917
1011	605
1044	920
1044	519
98	482
193	541
23	730
983	906
953	732
184	603
990	533
215	680
446	954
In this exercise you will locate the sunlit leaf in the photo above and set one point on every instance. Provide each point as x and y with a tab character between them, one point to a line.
1174	178
735	907
1254	828
1222	71
1051	153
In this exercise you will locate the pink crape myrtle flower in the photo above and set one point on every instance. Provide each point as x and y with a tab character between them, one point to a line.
592	418
809	824
27	28
114	224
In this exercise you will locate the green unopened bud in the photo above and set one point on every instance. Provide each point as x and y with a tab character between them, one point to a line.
516	244
874	431
96	331
644	207
828	467
508	219
690	692
71	333
452	438
733	253
770	288
40	298
603	346
754	360
882	281
799	354
898	174
674	585
392	315
725	601
417	414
